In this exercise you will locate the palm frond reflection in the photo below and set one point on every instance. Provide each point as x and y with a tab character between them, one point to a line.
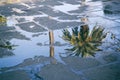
84	42
3	20
6	44
5	48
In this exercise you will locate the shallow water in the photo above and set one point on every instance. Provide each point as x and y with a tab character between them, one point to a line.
33	22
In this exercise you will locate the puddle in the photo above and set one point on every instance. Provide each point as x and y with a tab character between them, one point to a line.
33	37
48	44
32	47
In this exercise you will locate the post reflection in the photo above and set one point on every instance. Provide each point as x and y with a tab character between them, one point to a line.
51	37
51	43
51	51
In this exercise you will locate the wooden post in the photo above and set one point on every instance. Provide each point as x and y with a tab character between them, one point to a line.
51	37
51	51
51	42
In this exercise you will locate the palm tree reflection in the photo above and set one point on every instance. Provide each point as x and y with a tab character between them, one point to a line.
5	47
5	44
3	20
84	42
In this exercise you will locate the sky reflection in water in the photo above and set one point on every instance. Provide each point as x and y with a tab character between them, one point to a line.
37	44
